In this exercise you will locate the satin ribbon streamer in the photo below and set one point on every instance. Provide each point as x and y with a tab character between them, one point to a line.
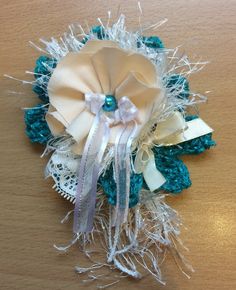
94	149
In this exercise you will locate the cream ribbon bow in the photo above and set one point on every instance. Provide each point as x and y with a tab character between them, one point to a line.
172	131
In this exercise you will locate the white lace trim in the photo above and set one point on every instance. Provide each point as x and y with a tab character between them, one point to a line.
62	167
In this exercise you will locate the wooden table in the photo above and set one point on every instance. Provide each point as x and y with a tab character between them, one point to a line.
31	210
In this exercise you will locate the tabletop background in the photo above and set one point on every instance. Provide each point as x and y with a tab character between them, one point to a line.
31	210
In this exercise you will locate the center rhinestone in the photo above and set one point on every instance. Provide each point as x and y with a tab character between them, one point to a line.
110	104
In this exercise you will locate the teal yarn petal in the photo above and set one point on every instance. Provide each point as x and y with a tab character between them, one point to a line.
42	72
109	186
99	31
41	92
173	169
150	41
197	145
179	84
36	126
44	66
194	146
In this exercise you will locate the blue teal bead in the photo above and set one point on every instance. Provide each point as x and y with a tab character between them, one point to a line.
110	104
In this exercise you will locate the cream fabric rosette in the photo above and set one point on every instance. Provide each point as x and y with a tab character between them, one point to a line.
101	67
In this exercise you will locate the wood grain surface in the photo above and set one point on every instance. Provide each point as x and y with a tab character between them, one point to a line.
31	210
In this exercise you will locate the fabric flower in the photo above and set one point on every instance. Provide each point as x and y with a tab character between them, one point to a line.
101	67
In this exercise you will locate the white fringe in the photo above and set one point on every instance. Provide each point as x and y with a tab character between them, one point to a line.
137	247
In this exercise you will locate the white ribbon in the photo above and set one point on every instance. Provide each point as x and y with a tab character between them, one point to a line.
94	150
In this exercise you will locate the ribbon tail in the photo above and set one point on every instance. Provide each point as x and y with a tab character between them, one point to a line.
152	176
88	174
122	171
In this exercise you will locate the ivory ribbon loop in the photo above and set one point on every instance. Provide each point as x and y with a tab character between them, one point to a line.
174	125
152	176
94	102
195	128
143	156
145	163
127	111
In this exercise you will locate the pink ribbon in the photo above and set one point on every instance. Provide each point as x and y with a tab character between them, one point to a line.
94	149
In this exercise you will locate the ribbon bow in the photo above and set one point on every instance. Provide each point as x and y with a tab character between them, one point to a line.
173	130
165	134
94	149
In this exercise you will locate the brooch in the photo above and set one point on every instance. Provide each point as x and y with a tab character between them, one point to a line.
115	118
